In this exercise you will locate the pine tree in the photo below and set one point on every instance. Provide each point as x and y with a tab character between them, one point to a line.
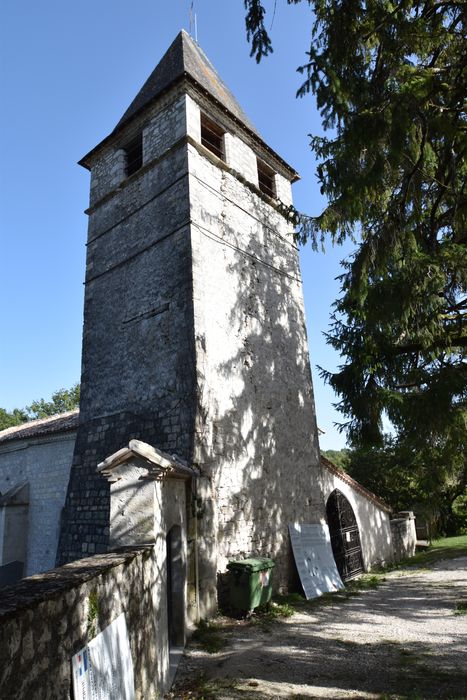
390	83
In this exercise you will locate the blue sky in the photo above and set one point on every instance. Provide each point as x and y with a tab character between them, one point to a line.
68	70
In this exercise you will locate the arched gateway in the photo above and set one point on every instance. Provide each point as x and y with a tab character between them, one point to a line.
345	537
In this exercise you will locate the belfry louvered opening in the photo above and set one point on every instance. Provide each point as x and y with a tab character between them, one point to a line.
212	136
266	178
134	155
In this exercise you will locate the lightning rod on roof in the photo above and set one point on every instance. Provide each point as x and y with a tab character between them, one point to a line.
193	22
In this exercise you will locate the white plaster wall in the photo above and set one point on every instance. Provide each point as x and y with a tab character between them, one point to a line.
143	512
373	522
45	463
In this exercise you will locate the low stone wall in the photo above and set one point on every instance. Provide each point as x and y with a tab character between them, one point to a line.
47	618
404	536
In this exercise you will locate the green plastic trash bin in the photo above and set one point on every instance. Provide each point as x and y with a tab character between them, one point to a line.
250	582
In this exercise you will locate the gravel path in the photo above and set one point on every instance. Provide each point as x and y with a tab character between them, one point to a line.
401	640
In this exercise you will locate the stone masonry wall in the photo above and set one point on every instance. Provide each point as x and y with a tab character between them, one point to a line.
256	436
138	357
161	127
45	464
46	619
404	535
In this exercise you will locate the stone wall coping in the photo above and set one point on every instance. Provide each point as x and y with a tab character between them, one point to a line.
41	587
159	464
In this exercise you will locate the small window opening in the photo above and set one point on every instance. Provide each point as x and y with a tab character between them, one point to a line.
134	155
211	136
266	179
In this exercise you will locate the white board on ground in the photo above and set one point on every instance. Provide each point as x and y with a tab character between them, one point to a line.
312	550
103	670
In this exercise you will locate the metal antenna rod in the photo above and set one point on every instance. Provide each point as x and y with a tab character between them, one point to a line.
190	19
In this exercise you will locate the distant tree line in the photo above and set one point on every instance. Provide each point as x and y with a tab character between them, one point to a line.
62	400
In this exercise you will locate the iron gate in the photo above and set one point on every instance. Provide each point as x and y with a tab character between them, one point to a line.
345	537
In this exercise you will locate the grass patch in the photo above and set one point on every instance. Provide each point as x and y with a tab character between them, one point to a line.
209	636
446	548
461	608
367	582
276	610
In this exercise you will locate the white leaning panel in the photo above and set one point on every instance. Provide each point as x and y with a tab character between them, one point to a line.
312	550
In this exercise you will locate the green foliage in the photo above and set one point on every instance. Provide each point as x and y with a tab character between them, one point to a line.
341	458
271	612
368	582
255	29
9	419
389	80
459	511
62	400
424	480
461	608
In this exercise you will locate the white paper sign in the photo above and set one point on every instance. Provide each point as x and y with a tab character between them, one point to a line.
103	670
312	550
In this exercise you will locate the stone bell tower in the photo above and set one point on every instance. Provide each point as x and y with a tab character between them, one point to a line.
194	336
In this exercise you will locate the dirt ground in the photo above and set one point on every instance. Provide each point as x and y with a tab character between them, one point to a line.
400	640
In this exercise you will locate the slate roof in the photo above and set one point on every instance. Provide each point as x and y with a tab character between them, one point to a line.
185	57
355	485
60	423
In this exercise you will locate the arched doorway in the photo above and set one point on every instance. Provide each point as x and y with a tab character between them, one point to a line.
345	537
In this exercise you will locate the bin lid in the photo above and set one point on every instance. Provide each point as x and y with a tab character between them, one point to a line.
252	564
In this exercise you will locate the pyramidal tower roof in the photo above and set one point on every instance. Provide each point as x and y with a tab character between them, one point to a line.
184	58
